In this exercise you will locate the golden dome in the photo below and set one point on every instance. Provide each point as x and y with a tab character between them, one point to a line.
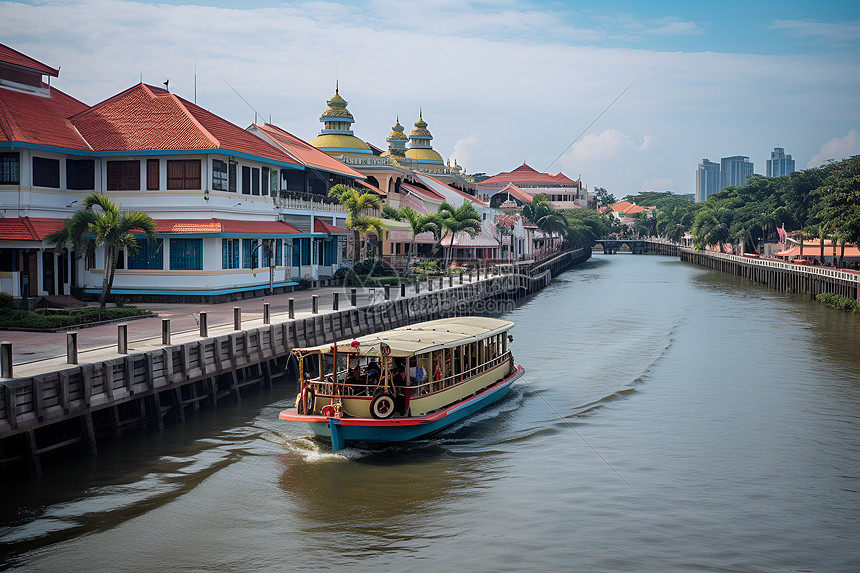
423	154
338	144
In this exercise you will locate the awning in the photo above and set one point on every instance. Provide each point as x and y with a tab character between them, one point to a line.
28	229
463	240
329	229
224	228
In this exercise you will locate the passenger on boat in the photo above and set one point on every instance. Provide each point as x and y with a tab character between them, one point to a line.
373	372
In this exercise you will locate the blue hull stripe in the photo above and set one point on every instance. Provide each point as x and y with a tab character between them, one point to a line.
403	433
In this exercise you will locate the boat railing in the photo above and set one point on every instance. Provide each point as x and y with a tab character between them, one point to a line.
432	386
329	387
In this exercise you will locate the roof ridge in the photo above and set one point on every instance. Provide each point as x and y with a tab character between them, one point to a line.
181	103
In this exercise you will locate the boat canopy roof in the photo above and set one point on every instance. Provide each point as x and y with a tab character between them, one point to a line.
418	338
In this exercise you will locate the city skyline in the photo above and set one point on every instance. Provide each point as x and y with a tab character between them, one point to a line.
498	85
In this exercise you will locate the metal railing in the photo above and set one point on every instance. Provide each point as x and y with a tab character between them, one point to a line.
818	271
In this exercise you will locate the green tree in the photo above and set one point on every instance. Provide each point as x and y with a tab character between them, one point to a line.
389	212
356	203
712	227
418	224
838	201
462	219
108	227
548	219
602	198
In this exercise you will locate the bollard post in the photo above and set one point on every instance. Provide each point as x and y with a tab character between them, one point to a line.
292	308
71	347
470	275
402	290
266	315
353	297
417	286
461	278
315	304
450	280
335	303
204	327
165	331
387	292
6	360
429	284
441	284
122	338
237	318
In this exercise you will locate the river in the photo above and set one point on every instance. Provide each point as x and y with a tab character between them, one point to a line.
671	418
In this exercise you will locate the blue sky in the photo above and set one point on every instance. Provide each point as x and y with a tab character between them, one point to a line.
500	82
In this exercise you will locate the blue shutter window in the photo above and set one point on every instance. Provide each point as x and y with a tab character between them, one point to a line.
186	254
249	253
149	255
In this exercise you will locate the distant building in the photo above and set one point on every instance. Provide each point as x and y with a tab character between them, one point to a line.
735	170
779	163
707	179
561	191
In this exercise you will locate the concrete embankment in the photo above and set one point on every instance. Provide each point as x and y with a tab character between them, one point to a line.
49	404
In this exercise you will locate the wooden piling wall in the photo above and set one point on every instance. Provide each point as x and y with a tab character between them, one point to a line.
779	275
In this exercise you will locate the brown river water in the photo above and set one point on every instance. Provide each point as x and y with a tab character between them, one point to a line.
671	418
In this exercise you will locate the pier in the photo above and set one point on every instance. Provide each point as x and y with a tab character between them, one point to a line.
83	396
787	277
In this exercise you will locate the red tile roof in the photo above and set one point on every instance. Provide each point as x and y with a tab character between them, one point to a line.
506	220
526	176
329	229
145	117
454	189
516	192
16	58
39	119
421	192
198	226
27	229
305	152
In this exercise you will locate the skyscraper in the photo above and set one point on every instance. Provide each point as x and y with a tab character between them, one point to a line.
735	170
707	179
779	163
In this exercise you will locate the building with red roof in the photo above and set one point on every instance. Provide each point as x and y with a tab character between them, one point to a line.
561	191
233	208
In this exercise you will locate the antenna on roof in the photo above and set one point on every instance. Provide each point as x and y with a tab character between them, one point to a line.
195	79
256	113
167	85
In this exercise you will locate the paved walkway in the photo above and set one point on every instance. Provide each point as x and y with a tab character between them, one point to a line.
38	352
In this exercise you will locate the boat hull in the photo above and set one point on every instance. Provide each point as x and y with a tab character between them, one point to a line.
345	430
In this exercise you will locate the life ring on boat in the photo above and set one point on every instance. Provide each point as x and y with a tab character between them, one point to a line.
328	411
306	401
382	406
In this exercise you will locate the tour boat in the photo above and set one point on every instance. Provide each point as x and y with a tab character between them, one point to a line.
404	383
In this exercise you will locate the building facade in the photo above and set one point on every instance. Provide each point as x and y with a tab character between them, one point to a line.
779	164
735	171
707	179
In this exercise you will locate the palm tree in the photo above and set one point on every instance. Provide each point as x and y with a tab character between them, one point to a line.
462	219
355	204
88	229
419	224
541	213
711	227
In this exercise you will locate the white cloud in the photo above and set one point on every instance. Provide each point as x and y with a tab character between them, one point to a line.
676	27
827	32
836	149
464	150
658	184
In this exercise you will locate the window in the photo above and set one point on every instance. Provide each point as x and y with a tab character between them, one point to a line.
10	169
304	252
186	254
232	178
80	174
150	255
297	252
183	174
246	180
152	175
229	253
278	252
249	253
46	172
219	176
255	181
265	180
123	175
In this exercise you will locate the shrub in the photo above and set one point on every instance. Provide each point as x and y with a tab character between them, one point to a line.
839	302
46	319
6	300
